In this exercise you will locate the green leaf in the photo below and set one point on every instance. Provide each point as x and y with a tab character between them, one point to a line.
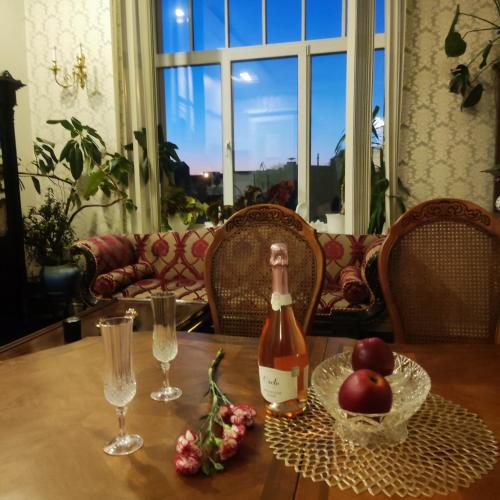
36	183
50	150
93	133
460	79
76	161
106	189
454	44
140	137
77	123
94	182
130	205
486	53
206	468
65	150
216	465
473	97
65	123
92	151
144	166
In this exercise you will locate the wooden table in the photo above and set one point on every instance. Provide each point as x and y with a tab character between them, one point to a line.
54	421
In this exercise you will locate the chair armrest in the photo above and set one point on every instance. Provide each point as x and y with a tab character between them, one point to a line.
106	285
102	254
369	270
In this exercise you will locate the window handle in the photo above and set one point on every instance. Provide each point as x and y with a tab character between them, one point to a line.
228	148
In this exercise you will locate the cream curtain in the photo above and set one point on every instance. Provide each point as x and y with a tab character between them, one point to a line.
395	19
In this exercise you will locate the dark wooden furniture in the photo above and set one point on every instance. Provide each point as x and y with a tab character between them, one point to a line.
439	270
238	276
189	316
54	421
12	266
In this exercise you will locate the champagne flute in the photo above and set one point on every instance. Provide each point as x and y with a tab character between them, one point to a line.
119	379
164	341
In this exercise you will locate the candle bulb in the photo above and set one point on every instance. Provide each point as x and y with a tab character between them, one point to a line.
54	57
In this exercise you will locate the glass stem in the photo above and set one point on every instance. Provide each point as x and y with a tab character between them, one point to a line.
121	411
165	367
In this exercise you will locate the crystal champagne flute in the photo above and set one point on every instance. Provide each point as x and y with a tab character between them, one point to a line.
164	341
119	379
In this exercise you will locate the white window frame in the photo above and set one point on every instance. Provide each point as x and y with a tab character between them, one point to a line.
303	50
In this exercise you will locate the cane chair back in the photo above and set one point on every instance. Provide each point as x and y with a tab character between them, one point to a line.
238	274
439	270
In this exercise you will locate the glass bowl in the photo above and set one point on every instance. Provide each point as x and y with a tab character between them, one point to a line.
410	385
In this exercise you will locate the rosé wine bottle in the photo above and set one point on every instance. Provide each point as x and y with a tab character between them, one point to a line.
283	360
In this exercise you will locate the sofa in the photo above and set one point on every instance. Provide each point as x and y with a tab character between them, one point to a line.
131	265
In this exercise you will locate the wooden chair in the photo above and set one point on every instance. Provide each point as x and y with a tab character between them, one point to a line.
238	274
439	270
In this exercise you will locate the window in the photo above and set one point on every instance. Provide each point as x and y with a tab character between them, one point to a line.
194	120
255	96
265	127
328	94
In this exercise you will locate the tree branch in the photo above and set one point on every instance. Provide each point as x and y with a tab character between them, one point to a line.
479	29
51	176
90	205
480	18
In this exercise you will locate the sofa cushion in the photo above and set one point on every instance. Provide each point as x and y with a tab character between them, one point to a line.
106	285
184	289
174	255
342	250
354	289
333	300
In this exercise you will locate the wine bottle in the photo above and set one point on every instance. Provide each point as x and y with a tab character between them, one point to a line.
283	359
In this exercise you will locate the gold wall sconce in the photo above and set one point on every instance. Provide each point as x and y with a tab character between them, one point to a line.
78	77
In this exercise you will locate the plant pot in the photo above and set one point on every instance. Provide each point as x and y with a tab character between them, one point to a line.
336	223
60	280
176	223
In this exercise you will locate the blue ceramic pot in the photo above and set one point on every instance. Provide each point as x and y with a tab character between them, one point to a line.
60	280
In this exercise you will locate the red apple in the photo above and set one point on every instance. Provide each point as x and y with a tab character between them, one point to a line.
373	354
365	391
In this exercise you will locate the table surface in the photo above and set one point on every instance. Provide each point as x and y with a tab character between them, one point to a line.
54	420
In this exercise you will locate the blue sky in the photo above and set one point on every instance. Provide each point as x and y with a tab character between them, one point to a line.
264	91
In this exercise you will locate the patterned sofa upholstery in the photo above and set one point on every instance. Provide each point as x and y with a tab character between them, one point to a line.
130	266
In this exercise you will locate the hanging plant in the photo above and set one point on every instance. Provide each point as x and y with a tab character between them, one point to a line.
464	78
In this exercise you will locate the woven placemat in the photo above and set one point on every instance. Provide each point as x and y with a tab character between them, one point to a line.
447	447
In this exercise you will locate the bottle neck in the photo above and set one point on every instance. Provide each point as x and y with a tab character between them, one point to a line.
280	280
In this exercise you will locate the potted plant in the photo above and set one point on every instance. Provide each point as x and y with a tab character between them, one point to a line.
82	168
378	181
47	236
180	210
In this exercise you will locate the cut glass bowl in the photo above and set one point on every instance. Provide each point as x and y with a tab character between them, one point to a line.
410	385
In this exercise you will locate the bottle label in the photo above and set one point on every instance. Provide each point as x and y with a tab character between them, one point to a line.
280	299
277	386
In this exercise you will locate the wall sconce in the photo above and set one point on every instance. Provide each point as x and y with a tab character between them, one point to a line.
78	76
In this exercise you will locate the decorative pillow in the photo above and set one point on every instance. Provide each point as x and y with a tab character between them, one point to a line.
354	289
108	284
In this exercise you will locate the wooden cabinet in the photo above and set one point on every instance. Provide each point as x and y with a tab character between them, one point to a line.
12	263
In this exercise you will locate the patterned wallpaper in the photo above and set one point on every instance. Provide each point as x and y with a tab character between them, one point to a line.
443	149
65	24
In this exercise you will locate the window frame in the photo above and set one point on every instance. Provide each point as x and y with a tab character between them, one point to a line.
303	50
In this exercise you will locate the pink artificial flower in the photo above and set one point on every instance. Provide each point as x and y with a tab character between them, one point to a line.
225	412
186	445
228	448
242	414
236	432
187	464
